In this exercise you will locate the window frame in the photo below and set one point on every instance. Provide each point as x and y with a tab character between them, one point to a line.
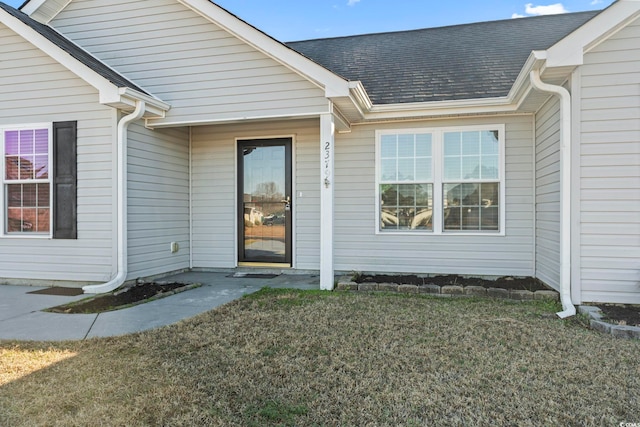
438	181
4	234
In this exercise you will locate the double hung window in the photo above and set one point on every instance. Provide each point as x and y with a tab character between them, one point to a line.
26	180
471	180
441	180
406	182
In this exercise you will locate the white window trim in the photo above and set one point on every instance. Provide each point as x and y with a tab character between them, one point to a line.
3	182
437	180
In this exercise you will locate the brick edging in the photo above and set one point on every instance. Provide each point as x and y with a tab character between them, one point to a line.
449	290
596	322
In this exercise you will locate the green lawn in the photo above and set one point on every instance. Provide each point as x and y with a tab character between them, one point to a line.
353	359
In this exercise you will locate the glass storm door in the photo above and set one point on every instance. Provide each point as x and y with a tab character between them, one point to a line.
264	201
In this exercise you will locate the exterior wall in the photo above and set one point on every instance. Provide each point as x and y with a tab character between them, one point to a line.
610	170
206	74
158	200
357	245
359	248
548	193
35	89
214	190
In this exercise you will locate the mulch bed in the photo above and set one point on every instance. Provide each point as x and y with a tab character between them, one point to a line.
515	283
122	298
621	314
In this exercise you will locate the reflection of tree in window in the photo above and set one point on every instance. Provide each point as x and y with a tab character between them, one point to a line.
471	206
406	191
26	160
406	206
267	192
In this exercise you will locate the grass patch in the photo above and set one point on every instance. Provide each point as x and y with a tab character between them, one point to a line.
283	357
274	412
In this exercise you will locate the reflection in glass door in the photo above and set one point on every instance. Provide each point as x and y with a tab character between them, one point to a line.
264	201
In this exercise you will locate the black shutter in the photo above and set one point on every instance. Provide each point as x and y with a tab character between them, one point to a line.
65	200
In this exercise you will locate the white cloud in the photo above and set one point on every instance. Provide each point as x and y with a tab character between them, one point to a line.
352	2
595	2
552	9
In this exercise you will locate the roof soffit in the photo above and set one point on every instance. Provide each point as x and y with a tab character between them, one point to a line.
44	11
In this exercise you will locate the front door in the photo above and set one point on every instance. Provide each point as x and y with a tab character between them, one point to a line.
264	201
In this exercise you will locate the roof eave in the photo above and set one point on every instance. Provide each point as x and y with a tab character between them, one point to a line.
126	99
441	108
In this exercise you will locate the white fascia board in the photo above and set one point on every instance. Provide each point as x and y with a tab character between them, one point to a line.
334	85
570	50
360	96
522	86
442	108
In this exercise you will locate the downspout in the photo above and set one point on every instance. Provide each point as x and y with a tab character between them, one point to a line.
121	275
565	190
191	197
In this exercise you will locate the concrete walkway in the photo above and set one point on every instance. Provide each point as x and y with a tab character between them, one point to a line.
21	317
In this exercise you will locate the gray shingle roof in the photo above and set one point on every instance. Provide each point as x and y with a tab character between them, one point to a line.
72	49
469	61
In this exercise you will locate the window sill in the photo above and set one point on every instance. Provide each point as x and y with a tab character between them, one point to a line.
27	237
442	233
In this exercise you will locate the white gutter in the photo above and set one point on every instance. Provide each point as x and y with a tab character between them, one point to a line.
121	275
565	190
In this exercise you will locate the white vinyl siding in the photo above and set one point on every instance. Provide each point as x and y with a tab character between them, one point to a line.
359	248
206	74
610	170
36	89
215	198
548	193
158	194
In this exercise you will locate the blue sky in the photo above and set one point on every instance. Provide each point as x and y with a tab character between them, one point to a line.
290	20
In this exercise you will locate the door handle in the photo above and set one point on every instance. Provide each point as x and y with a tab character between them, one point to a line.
287	204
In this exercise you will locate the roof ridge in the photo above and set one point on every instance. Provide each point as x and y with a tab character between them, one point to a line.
468	24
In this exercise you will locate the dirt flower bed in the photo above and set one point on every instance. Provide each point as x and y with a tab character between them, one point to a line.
621	314
508	282
122	298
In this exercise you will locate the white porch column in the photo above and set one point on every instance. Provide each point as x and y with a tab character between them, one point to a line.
327	150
